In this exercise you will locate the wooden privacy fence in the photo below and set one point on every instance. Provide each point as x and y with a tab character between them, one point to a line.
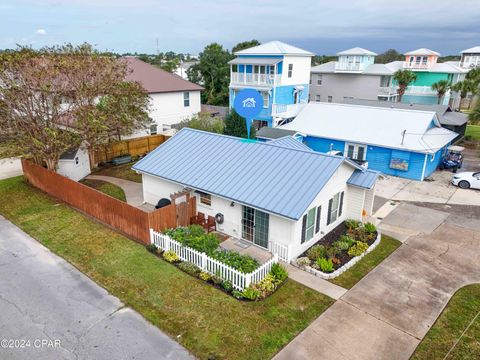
126	218
134	147
238	279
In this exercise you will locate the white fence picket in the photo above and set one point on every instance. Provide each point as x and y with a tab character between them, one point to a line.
238	279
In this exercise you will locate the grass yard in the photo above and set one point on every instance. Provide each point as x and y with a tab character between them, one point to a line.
106	188
206	321
446	339
120	171
367	263
473	132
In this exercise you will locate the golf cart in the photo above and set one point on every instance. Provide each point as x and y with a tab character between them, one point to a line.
453	159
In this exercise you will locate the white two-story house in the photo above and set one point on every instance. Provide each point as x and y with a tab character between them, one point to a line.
280	72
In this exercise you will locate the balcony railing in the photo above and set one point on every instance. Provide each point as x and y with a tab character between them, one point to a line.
287	110
387	90
344	66
417	65
471	64
420	90
240	78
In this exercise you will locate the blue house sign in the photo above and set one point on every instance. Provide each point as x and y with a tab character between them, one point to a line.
248	103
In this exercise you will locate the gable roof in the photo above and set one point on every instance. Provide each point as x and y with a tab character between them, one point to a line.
290	143
473	50
274	179
274	48
273	133
357	51
444	113
374	126
422	51
156	80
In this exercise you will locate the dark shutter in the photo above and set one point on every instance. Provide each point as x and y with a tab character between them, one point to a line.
317	224
304	227
340	209
329	214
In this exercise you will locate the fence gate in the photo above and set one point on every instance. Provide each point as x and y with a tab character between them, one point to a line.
181	201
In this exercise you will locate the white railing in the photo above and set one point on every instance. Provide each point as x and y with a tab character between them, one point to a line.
387	90
416	65
254	79
287	110
345	66
238	279
282	250
422	90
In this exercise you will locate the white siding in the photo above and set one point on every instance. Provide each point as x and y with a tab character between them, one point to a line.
73	170
356	200
301	70
369	199
155	189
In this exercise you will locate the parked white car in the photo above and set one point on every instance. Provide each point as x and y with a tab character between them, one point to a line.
466	180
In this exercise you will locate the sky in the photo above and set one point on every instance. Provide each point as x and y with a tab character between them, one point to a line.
187	26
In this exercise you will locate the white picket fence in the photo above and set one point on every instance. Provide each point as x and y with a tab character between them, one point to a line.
282	250
238	279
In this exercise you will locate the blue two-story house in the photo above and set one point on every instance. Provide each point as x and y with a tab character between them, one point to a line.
398	142
280	72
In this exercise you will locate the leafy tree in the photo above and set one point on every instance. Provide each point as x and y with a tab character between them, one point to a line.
441	87
474	115
389	56
235	125
205	122
403	79
322	59
245	45
213	73
464	88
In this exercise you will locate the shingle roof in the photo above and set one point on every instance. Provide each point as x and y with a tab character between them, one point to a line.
274	48
156	80
364	179
373	125
290	143
357	51
69	154
273	133
270	178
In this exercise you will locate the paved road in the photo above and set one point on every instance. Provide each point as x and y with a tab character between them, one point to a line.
388	312
42	297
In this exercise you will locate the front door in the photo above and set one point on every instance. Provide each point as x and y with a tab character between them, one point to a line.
255	225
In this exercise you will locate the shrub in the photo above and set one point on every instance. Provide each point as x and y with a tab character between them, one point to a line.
195	237
315	252
242	263
352	224
237	294
341	245
370	228
358	249
217	280
152	248
205	276
303	261
189	268
267	285
250	293
279	273
170	256
331	252
359	234
227	285
347	239
326	265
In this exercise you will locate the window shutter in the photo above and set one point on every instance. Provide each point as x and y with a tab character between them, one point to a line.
340	209
317	225
329	214
304	227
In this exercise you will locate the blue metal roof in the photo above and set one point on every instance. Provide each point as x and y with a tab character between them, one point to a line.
363	178
290	143
273	179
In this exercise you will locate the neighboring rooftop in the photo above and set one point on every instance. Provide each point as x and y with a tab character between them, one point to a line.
290	143
279	180
357	51
423	51
374	126
372	69
273	133
274	48
363	178
156	80
473	50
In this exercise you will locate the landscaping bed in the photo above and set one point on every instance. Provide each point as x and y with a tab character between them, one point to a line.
340	249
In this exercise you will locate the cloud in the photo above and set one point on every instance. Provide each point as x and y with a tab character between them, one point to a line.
41	32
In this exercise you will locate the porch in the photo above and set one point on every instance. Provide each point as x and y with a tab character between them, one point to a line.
259	253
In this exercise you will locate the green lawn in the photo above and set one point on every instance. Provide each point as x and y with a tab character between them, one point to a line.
106	187
205	320
473	132
120	171
367	263
445	336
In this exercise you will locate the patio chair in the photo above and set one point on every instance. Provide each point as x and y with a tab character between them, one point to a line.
211	224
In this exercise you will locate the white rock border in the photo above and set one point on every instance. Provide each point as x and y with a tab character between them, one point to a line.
341	270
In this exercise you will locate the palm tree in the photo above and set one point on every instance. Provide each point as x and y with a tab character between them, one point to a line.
441	87
464	88
403	79
474	116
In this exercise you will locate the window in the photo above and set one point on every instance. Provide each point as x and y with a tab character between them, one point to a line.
319	80
329	99
265	99
335	207
308	225
317	223
186	99
205	199
290	70
317	98
356	151
153	129
234	68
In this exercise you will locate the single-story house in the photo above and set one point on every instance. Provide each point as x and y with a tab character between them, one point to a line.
399	142
273	194
74	164
449	119
172	99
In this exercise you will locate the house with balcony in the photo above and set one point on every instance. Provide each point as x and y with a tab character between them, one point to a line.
354	75
470	58
280	72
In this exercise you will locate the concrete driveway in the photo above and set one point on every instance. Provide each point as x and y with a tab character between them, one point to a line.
44	298
388	312
10	167
133	190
